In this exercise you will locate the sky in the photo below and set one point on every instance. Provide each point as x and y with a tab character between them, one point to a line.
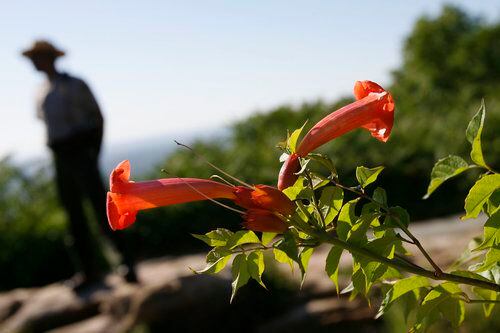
187	67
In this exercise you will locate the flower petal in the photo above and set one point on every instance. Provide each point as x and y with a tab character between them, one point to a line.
119	176
116	220
264	221
264	197
287	176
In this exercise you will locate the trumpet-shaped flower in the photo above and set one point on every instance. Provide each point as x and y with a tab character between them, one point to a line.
126	198
264	197
287	176
372	110
263	220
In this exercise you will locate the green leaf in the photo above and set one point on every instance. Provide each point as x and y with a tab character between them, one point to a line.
445	169
360	282
282	257
332	265
491	258
471	275
240	274
298	190
400	288
384	246
326	161
214	267
492	274
347	218
487	295
380	196
318	180
304	257
255	262
357	234
491	235
288	245
267	237
397	217
453	310
479	194
473	135
292	138
218	237
366	176
217	259
242	237
286	251
304	164
330	202
493	203
442	299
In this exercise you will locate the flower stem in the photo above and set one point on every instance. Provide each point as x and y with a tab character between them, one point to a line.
402	265
483	301
314	200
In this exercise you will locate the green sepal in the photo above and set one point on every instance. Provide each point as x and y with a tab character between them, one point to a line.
293	138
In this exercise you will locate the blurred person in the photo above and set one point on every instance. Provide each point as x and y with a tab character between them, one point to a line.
74	135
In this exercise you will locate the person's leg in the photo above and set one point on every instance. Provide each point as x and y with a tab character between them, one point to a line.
96	192
71	198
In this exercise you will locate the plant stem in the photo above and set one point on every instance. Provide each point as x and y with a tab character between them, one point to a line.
250	249
416	242
327	238
483	301
314	200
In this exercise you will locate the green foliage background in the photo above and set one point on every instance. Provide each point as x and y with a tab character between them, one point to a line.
449	63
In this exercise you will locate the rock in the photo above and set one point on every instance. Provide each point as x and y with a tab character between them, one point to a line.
11	302
50	307
320	314
98	324
170	297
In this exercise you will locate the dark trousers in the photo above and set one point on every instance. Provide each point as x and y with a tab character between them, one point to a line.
78	179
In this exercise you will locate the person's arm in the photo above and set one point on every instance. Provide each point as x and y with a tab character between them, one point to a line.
40	97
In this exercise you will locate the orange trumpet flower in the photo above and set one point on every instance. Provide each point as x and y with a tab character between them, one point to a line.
126	198
264	197
263	220
372	110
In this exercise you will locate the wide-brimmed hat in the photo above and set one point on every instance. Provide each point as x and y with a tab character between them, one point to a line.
42	47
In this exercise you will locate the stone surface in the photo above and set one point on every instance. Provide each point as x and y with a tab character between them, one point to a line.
172	296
